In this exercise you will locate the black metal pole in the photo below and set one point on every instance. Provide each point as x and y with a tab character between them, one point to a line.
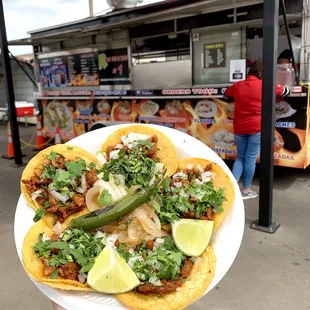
8	81
270	50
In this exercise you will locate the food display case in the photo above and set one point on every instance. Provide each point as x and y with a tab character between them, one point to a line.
134	66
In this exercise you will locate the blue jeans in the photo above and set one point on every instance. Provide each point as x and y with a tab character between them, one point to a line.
248	147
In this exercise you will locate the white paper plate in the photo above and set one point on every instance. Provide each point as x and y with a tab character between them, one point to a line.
225	242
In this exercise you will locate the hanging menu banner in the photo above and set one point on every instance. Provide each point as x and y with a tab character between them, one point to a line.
113	67
215	55
53	72
83	69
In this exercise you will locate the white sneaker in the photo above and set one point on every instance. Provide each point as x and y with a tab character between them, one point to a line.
249	195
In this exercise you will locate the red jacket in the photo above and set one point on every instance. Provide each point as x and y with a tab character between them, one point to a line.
248	104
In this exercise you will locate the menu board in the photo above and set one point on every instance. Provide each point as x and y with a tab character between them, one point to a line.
113	67
83	69
53	72
214	55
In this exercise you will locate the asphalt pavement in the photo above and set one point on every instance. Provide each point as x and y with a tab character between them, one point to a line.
271	272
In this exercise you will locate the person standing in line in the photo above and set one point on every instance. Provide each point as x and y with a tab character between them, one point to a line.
247	96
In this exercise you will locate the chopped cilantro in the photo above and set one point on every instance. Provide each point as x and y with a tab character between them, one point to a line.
166	184
135	166
163	262
76	168
91	166
52	155
176	200
48	172
54	274
105	198
74	245
39	213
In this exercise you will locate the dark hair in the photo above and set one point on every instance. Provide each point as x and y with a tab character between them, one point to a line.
286	54
256	69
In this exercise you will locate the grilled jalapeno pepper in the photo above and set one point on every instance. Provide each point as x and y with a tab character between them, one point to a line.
116	210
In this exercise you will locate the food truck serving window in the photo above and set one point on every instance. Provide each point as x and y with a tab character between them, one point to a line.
212	52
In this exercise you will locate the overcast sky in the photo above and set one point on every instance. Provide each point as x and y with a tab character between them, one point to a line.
22	16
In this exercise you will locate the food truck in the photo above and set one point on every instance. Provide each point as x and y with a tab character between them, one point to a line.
169	64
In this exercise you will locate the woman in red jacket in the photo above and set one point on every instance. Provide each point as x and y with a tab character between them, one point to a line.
247	124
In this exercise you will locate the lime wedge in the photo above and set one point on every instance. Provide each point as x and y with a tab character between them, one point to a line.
111	274
192	236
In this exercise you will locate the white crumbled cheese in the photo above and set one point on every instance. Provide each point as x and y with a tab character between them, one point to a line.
189	166
114	154
119	146
177	184
159	167
179	175
199	168
101	157
198	181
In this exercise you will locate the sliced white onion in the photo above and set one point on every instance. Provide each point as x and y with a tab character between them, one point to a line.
198	181
99	234
206	174
119	146
160	240
206	180
58	196
110	240
36	194
114	154
57	228
189	166
155	281
45	237
199	168
119	177
177	184
159	167
92	198
132	260
81	189
152	181
101	157
71	246
82	279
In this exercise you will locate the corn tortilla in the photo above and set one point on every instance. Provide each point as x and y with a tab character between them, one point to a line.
221	180
69	152
191	290
167	152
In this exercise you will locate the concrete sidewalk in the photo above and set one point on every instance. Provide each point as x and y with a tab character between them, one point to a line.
271	272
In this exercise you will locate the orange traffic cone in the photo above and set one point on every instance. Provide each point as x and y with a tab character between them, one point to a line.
10	154
40	141
57	136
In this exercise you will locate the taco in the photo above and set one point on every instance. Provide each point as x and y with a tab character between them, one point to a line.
200	189
139	153
172	282
55	182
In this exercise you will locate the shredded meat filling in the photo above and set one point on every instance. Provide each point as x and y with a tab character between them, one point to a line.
69	271
166	287
91	178
187	268
59	162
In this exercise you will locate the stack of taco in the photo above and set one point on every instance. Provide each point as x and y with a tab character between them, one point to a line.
143	230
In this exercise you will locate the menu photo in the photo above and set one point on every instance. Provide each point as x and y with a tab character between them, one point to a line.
53	72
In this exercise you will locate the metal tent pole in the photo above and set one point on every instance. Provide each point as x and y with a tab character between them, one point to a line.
270	51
